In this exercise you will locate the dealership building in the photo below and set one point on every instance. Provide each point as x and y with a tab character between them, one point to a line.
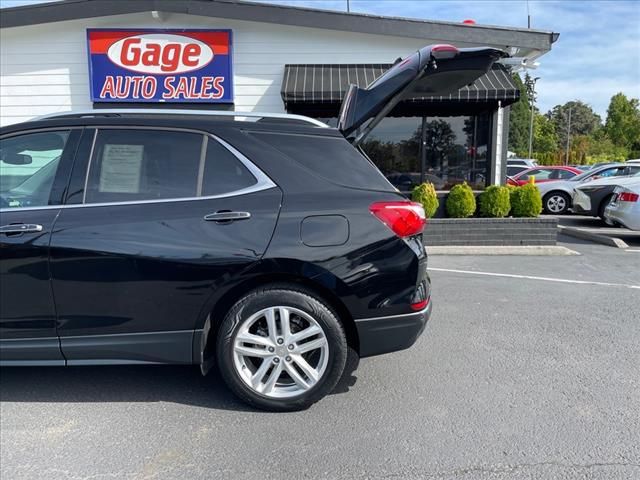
259	57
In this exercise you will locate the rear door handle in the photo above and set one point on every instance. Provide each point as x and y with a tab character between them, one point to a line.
20	228
227	216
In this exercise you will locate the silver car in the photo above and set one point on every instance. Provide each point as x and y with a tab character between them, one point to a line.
624	208
556	196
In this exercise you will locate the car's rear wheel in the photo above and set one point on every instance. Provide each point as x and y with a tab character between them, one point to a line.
556	203
281	348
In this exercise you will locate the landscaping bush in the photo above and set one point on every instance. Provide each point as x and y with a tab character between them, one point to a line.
425	194
461	203
495	202
526	201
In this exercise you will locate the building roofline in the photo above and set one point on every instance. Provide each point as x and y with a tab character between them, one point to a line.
284	15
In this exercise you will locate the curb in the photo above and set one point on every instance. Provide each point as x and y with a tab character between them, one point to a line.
592	237
540	250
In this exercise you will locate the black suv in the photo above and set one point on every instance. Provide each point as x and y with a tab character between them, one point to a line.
268	244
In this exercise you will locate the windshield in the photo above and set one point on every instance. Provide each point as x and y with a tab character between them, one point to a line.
587	174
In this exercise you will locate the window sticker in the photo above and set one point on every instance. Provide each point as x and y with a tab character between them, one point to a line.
121	168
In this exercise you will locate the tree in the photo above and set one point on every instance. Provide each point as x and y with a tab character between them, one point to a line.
519	119
584	121
623	122
545	137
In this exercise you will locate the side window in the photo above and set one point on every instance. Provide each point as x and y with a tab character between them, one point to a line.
133	165
223	172
532	173
565	174
541	174
28	165
611	172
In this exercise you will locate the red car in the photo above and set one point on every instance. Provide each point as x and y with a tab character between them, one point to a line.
543	174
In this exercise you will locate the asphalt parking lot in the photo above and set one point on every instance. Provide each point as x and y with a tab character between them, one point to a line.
525	376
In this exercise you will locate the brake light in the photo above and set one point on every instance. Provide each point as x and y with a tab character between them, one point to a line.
628	197
444	51
420	305
404	218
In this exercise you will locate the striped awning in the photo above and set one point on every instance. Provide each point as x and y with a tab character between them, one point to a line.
326	84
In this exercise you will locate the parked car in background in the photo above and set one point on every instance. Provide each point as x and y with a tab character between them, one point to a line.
592	198
602	164
544	174
634	161
582	168
624	208
522	162
557	196
513	170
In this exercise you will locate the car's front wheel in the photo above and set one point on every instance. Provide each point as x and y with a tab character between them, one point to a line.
281	348
557	203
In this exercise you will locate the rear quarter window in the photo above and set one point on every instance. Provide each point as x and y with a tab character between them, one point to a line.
332	158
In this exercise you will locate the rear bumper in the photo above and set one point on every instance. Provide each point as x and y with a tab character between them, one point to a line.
581	204
389	334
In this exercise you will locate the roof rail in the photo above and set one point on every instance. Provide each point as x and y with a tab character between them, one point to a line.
241	116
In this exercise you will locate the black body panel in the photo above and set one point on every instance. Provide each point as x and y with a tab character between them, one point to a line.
129	269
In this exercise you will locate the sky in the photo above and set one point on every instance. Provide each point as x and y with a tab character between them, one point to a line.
596	56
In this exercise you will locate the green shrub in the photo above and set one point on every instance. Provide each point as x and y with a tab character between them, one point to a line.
495	202
425	194
461	203
526	201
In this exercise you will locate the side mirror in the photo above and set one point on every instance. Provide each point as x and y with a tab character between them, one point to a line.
16	159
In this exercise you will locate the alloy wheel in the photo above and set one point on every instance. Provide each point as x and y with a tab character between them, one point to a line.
280	352
556	204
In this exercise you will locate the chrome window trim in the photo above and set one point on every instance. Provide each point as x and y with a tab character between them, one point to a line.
86	175
263	182
203	157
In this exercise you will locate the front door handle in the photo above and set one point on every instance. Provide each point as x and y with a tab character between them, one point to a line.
20	228
227	216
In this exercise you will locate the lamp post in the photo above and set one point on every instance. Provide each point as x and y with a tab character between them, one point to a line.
533	98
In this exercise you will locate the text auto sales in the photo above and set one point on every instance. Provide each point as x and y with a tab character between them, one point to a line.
146	87
140	54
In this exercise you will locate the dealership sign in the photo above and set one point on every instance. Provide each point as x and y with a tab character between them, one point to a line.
160	65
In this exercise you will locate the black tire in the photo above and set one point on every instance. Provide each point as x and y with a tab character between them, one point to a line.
289	296
548	203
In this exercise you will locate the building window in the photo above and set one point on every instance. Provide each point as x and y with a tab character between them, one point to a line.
442	150
456	149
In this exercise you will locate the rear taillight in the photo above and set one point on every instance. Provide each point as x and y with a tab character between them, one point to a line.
628	197
444	51
403	218
420	305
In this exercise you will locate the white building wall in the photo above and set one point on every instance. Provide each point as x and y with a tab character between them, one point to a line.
44	68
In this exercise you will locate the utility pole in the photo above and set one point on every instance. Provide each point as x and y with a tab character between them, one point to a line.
533	99
566	158
348	7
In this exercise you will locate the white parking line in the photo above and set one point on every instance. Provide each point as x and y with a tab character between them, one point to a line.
631	250
529	277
